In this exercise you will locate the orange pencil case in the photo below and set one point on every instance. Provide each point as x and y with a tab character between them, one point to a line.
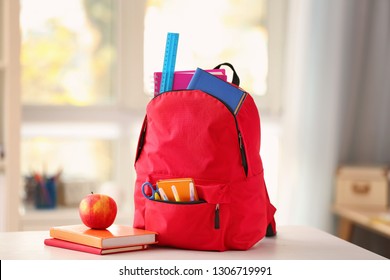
179	190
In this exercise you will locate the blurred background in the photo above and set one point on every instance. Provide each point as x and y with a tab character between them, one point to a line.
76	75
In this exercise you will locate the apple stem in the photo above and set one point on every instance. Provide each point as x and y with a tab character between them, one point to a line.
91	192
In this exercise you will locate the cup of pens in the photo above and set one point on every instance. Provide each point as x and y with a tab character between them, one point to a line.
45	189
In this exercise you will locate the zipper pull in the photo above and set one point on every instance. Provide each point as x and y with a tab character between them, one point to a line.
216	217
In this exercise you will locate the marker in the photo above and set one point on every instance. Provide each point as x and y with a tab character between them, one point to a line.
193	195
175	194
162	194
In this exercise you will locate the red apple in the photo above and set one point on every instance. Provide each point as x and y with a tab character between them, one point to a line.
98	211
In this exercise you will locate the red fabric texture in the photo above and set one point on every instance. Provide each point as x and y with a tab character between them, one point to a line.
192	134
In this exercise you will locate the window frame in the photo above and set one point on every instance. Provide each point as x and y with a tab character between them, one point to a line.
270	105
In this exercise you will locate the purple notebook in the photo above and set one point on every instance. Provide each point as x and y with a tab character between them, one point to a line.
181	79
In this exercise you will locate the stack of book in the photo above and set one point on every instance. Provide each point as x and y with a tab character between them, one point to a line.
115	239
181	79
232	96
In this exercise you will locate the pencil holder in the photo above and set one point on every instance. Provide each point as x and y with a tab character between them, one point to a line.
46	194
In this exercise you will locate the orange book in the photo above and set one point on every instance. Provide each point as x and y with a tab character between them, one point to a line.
112	237
89	249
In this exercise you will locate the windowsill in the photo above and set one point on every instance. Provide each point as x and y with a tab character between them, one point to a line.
102	113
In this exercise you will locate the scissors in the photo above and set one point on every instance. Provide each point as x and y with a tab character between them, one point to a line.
155	194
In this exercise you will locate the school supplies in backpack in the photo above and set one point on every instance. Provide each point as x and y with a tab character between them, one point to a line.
230	95
181	79
193	134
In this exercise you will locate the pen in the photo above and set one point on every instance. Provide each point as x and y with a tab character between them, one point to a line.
162	194
42	184
175	194
193	195
156	196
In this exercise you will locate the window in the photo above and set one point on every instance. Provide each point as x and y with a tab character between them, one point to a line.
67	58
75	117
86	150
68	52
226	36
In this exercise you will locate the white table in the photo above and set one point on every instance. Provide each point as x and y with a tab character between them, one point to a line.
291	242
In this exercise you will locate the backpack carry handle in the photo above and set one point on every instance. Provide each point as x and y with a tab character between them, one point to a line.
236	79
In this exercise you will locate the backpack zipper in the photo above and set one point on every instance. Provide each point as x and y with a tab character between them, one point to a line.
243	154
141	140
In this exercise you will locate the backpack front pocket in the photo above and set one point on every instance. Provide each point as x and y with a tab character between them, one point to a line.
199	226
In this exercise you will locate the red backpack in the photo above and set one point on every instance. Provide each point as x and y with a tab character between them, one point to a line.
191	134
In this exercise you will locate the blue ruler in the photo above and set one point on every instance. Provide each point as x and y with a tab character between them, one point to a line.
169	62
